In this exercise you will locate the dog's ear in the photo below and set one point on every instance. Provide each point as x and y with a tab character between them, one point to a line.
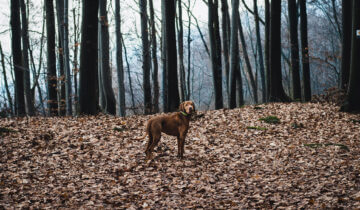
181	107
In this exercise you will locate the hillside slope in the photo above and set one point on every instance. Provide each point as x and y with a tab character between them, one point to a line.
310	159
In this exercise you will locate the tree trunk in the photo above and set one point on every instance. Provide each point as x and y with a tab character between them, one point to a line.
51	59
189	53
88	89
247	61
352	102
60	20
154	59
276	88
346	44
267	48
25	41
8	94
119	60
146	57
305	51
110	100
129	76
17	58
75	61
234	55
181	52
260	52
163	58
293	19
67	63
215	51
170	56
226	40
100	71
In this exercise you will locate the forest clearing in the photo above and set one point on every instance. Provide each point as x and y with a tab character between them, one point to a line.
309	159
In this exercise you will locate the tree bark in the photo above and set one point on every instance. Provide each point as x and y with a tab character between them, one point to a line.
25	41
146	57
154	59
51	59
293	19
226	40
110	101
234	57
170	56
181	52
267	48
352	102
60	21
215	51
277	93
88	89
163	58
305	51
260	52
189	53
119	60
346	44
17	58
129	76
68	91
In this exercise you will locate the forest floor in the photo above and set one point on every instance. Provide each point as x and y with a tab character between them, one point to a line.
310	159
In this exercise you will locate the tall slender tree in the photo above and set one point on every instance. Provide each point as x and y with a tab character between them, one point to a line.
66	60
293	19
215	51
17	58
146	57
88	89
154	59
305	51
234	57
260	52
51	59
352	102
277	92
110	101
226	40
170	56
61	79
8	94
346	44
119	60
25	41
267	48
180	30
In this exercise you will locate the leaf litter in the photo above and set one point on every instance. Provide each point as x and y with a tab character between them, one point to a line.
95	161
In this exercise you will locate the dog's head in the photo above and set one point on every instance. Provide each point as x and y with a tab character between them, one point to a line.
187	106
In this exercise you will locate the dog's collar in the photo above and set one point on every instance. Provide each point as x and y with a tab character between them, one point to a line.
183	113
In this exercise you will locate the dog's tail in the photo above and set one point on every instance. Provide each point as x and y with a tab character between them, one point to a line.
146	132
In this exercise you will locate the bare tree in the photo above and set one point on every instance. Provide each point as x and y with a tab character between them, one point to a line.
25	41
346	44
8	94
109	97
215	51
180	30
277	92
305	51
293	19
169	44
146	57
17	57
88	89
61	79
68	91
352	102
154	59
51	59
234	58
226	39
119	60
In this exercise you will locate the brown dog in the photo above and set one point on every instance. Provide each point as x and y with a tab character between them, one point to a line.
175	124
